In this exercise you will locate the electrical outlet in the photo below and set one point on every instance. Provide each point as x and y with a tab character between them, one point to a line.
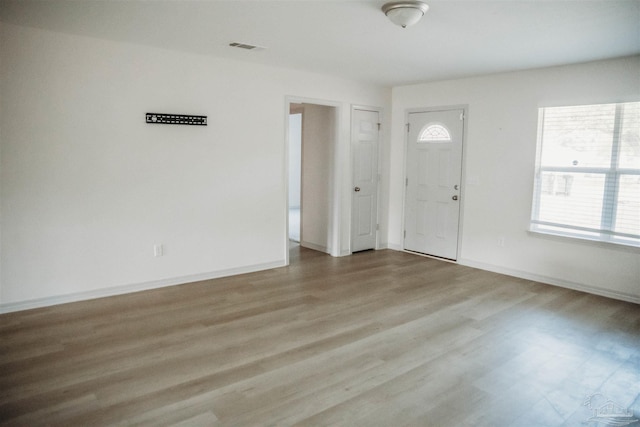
158	250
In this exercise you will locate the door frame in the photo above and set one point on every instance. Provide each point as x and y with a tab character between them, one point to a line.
378	110
463	175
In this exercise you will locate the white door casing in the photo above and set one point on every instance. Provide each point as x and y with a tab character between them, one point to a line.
365	132
434	173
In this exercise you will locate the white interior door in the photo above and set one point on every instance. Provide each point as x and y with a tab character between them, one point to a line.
364	202
434	170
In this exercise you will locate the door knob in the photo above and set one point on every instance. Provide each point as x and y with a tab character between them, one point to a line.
357	189
455	197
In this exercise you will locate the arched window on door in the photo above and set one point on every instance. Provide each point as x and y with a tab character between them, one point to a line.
434	132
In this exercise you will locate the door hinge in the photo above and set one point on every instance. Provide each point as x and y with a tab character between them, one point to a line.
461	116
405	234
408	127
406	182
379	126
377	227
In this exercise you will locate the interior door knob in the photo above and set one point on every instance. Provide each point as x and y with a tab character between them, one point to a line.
356	189
455	197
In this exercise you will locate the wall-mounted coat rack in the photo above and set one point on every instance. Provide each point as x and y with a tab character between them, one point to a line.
176	119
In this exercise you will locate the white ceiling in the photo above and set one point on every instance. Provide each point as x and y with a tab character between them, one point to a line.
354	39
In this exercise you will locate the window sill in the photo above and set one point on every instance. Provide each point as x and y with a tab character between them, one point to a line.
570	238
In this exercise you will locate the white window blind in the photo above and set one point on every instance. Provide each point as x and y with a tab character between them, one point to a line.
587	181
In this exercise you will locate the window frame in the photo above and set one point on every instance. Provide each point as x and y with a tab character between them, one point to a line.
611	188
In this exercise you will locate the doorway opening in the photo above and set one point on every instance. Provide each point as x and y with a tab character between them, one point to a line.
312	213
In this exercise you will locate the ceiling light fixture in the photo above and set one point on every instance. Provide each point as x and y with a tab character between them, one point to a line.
405	13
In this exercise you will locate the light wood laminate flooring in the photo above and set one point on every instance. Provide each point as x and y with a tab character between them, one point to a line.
380	338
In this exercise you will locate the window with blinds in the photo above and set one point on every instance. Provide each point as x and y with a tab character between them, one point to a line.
587	181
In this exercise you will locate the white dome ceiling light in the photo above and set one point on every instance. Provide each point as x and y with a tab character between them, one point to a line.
405	13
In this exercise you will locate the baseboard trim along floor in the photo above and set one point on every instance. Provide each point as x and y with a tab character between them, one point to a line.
135	287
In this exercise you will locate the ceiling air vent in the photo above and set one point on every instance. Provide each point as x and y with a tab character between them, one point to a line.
245	46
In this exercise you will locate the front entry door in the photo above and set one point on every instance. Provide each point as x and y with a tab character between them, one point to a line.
434	170
364	195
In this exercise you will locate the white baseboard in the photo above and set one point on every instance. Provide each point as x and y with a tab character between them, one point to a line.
394	247
119	290
315	247
135	287
552	281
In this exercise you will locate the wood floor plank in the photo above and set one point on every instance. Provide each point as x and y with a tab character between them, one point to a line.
378	338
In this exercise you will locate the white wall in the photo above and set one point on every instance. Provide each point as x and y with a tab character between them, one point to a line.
88	188
295	159
499	166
